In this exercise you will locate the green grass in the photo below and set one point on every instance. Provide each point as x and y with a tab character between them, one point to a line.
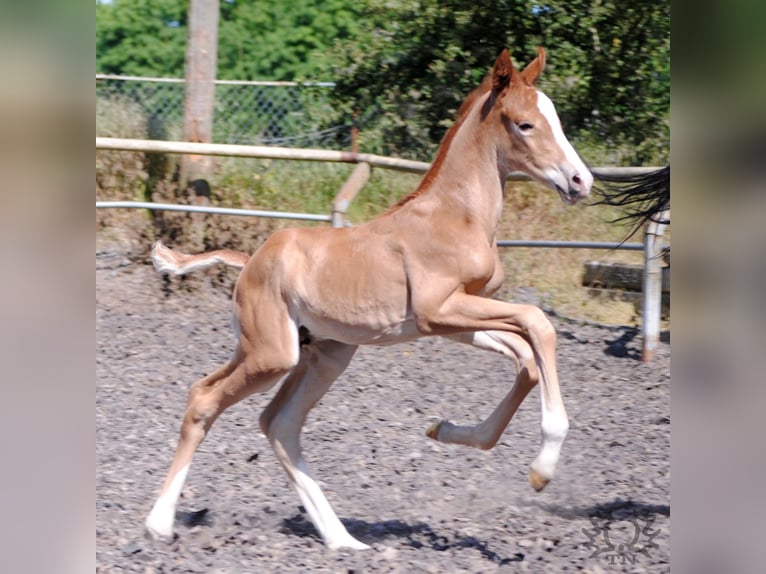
307	187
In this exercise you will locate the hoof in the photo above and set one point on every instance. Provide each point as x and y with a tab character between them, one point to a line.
154	534
537	481
349	543
159	523
433	430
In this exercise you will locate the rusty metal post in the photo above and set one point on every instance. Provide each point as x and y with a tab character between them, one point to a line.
352	186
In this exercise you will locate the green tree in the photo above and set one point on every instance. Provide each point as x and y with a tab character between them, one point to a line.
141	37
282	40
256	40
403	67
620	70
608	69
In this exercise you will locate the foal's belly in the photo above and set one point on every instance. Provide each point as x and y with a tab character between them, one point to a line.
381	333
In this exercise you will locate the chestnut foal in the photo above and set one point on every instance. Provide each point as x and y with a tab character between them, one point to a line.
309	297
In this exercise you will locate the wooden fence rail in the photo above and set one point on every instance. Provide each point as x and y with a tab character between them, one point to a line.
301	154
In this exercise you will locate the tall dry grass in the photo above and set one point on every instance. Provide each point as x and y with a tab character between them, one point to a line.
534	213
121	175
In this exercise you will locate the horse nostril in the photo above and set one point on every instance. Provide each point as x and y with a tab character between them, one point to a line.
576	179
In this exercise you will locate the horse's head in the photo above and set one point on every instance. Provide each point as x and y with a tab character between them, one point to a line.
530	138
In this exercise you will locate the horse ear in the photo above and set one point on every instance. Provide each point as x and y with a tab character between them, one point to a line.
502	72
535	67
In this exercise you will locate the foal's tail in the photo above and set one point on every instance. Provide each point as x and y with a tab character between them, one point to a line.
643	197
168	261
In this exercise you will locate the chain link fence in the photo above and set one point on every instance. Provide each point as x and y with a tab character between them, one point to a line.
286	114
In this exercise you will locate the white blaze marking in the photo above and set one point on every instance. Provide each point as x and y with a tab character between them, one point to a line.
547	109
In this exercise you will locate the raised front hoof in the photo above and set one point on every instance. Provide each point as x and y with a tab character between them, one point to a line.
433	430
537	481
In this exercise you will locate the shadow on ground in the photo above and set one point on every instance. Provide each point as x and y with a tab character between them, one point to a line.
417	535
617	509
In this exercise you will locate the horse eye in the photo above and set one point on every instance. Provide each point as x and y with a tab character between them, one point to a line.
525	126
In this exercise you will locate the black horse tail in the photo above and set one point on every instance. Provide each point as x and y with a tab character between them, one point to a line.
643	197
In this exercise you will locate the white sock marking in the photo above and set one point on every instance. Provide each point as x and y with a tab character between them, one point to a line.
555	426
160	520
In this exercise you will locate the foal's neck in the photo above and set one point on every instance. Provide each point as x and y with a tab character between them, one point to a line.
468	180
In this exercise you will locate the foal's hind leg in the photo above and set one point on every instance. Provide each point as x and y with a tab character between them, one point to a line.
208	398
486	434
321	363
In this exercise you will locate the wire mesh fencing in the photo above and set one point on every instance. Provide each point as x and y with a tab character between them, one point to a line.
287	114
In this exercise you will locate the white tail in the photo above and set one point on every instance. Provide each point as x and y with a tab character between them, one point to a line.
168	261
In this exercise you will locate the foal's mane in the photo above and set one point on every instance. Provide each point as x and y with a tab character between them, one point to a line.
441	153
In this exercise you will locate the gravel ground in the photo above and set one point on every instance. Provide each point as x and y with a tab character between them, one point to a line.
421	505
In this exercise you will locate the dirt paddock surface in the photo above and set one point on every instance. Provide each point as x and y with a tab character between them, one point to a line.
422	506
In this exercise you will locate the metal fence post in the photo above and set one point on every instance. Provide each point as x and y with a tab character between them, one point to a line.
352	186
652	303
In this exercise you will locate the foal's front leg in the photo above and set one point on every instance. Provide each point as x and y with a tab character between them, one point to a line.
462	312
486	434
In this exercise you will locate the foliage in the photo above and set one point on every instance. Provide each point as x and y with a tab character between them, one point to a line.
608	68
141	37
402	67
282	40
122	175
256	40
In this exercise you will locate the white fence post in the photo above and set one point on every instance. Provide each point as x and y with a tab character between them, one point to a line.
652	303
